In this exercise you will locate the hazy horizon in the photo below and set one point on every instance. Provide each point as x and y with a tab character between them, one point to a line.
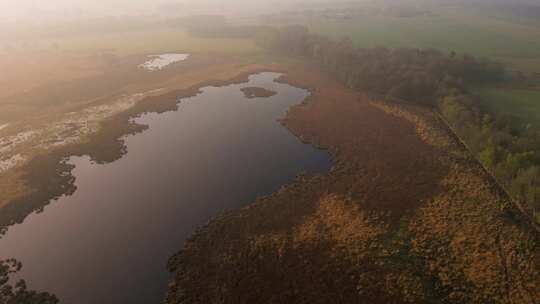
32	11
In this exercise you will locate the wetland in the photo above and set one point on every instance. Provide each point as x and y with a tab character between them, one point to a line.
116	231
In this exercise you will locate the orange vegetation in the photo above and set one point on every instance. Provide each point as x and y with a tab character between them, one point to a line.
22	72
404	216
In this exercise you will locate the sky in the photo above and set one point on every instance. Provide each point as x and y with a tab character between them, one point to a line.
24	10
38	10
69	8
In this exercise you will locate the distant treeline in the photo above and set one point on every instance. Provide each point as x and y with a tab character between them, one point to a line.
436	79
429	77
415	75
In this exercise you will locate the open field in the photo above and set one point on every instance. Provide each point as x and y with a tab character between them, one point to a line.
524	105
141	42
405	216
509	41
42	69
36	61
57	74
30	70
115	35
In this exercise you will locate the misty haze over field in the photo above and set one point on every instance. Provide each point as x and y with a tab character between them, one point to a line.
30	10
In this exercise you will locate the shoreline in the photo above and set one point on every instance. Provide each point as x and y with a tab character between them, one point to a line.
48	176
369	230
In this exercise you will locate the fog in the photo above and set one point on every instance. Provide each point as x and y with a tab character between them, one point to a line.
23	16
32	10
36	10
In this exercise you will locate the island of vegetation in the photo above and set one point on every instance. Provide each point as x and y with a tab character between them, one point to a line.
254	92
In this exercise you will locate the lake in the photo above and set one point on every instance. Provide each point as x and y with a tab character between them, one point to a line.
109	242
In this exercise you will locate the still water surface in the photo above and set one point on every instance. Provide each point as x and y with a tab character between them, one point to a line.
109	242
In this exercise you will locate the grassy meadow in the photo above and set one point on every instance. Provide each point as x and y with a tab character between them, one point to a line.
55	59
521	104
516	45
154	40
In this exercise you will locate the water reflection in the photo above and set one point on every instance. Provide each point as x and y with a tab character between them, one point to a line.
109	242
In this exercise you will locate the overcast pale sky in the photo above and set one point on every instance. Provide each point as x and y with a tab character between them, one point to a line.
40	9
26	8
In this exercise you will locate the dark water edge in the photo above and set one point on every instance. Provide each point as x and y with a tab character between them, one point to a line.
110	240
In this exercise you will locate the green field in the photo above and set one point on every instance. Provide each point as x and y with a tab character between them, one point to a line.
157	40
521	104
505	39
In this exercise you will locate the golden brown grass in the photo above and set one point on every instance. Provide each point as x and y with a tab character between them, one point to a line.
23	72
405	216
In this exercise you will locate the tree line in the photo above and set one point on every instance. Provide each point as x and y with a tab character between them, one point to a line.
18	293
436	79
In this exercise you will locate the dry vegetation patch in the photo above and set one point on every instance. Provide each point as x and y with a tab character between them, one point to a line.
254	92
404	216
24	71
